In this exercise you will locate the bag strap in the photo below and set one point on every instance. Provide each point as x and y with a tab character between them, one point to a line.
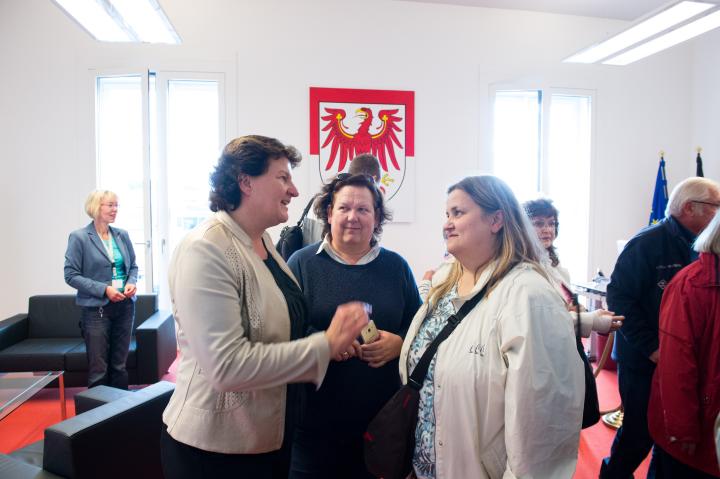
417	377
306	210
576	303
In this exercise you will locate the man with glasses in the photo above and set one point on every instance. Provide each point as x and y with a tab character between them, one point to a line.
646	265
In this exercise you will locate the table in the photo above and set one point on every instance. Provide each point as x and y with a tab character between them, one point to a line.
18	387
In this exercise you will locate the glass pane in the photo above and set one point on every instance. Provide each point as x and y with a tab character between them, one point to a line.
516	140
119	137
193	133
568	165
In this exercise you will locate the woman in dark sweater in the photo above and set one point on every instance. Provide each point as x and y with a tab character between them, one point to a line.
349	265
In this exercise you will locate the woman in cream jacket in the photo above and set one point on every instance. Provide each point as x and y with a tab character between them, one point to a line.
240	313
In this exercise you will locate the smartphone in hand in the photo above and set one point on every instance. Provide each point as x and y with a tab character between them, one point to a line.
369	333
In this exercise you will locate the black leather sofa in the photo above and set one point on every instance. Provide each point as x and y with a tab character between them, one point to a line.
119	439
48	338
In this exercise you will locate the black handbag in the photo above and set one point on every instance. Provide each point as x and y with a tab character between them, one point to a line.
591	407
291	237
390	436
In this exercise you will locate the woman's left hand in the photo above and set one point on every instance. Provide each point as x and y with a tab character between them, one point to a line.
385	348
130	290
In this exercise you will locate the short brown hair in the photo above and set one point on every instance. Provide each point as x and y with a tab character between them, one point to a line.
545	208
365	164
247	155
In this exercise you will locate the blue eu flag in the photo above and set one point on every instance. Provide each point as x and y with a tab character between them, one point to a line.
660	197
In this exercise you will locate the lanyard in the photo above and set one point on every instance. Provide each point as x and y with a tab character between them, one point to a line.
109	248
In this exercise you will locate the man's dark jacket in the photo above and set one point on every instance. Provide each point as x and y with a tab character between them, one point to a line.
646	265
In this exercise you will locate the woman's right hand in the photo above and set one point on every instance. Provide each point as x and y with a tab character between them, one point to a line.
114	295
345	327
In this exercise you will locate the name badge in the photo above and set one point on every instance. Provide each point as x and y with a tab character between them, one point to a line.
117	284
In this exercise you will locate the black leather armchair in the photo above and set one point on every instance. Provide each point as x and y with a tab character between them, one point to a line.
48	338
119	439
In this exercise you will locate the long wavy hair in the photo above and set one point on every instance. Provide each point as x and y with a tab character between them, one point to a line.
516	241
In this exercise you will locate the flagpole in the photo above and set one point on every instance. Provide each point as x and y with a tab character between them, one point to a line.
698	162
662	168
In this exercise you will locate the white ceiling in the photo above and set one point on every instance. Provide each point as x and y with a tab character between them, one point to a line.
617	9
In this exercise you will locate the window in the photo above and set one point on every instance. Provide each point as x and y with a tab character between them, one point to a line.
120	154
157	136
192	135
542	147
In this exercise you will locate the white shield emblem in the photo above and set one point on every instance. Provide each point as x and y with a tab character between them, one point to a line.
349	129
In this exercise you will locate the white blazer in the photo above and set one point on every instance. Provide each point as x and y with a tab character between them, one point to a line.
509	383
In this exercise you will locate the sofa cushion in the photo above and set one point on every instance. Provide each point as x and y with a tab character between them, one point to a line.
53	316
37	354
30	454
57	315
76	359
13	468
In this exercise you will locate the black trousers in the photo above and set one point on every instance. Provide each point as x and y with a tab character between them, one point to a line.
180	461
107	332
318	456
632	441
667	467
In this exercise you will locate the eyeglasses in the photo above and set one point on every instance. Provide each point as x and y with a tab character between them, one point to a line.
346	175
709	203
539	224
110	205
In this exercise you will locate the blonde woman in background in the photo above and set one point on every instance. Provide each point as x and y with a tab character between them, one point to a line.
100	264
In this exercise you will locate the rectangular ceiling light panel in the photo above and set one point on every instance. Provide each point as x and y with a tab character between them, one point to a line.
95	19
122	20
642	31
679	35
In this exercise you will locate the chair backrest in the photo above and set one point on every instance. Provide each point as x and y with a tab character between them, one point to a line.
120	439
57	315
145	306
53	316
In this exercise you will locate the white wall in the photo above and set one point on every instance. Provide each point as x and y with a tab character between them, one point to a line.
705	103
448	55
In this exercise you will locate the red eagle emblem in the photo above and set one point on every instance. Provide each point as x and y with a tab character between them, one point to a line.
347	145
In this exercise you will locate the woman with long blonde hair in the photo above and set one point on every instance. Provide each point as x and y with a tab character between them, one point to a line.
504	393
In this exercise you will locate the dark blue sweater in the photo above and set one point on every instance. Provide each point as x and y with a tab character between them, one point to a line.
353	392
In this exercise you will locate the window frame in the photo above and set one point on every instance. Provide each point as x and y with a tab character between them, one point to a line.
546	92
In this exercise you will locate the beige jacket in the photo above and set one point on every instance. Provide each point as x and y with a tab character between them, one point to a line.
233	334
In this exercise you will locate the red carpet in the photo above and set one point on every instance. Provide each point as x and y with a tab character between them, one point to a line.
27	423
